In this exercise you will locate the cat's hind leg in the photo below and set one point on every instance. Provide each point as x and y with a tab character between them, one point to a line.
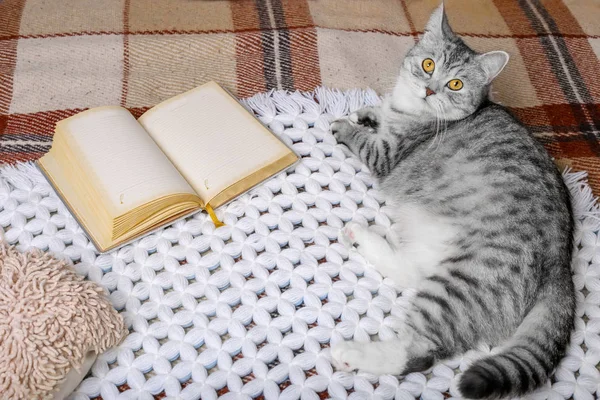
405	354
377	358
437	325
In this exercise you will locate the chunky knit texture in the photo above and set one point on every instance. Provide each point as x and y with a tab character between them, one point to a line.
249	310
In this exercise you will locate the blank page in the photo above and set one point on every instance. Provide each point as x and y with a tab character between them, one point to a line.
128	167
212	140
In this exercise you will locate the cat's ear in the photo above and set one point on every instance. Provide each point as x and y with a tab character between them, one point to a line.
493	63
438	23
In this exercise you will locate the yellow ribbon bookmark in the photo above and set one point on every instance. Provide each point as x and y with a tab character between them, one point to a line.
213	216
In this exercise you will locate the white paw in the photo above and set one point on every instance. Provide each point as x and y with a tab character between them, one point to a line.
350	234
366	117
348	356
377	358
341	127
345	238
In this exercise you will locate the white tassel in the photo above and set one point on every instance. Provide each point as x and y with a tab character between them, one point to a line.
583	201
372	98
334	100
263	106
355	99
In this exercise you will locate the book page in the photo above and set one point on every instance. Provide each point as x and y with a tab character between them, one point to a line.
212	140
128	167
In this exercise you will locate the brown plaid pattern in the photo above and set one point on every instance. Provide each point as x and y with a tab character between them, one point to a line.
58	58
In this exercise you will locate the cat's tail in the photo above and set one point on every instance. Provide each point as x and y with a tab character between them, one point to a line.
532	353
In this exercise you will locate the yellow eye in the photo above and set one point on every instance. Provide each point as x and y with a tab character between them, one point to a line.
428	65
455	84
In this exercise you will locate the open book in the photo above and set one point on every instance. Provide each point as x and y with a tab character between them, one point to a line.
123	178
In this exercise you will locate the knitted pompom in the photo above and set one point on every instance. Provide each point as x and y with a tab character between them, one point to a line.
50	318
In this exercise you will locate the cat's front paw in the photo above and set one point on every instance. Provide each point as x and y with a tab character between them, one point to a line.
351	234
368	117
342	129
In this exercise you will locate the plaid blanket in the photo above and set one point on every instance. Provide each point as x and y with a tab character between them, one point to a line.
60	57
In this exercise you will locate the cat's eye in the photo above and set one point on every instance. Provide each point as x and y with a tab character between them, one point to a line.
455	84
428	65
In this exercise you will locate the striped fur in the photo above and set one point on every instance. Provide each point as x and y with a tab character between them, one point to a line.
483	225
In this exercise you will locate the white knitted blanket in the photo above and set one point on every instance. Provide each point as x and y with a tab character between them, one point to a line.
249	309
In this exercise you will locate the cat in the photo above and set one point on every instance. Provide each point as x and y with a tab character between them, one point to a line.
482	224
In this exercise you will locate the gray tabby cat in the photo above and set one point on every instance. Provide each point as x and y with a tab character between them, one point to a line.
482	227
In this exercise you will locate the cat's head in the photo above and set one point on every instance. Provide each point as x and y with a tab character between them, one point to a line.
442	76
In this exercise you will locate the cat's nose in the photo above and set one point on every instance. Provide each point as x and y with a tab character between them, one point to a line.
428	92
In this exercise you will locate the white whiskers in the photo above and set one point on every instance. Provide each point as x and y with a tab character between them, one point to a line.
437	120
440	119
